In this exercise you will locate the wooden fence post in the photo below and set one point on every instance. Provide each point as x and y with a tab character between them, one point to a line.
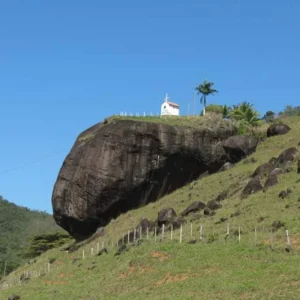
255	236
98	248
163	231
239	234
83	256
155	234
141	232
289	247
172	232
191	230
271	240
201	232
180	238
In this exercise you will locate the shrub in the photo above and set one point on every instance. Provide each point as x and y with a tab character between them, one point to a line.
42	243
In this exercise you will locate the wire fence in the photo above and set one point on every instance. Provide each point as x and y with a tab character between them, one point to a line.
193	233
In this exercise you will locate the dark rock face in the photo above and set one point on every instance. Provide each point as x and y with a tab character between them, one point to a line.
115	167
222	196
194	207
252	187
238	147
277	129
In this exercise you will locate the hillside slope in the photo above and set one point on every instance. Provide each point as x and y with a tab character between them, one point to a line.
17	225
260	266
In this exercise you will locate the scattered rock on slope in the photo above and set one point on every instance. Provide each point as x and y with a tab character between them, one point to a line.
213	205
166	216
277	129
288	154
238	147
194	207
252	187
227	166
263	170
271	181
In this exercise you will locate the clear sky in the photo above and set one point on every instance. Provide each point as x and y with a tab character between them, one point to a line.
65	65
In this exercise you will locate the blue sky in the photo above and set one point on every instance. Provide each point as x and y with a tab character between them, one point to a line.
65	65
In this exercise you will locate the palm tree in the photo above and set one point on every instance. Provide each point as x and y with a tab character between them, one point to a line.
245	112
205	89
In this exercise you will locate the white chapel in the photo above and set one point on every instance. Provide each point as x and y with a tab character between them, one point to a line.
169	108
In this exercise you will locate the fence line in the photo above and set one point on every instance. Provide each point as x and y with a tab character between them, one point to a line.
283	241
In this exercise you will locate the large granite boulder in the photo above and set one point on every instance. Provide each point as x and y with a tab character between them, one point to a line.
124	164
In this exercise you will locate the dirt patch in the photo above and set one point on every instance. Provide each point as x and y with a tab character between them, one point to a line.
135	271
174	278
160	256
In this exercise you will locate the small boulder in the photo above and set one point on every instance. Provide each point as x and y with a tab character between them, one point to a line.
277	225
222	196
271	181
208	212
166	216
194	207
13	297
192	242
144	224
239	146
122	248
278	129
213	205
288	154
284	194
177	223
263	170
102	251
288	167
277	171
252	187
227	166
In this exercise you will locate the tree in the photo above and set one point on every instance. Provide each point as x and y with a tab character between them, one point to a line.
245	112
205	89
269	116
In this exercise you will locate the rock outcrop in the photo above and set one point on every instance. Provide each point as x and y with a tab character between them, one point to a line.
121	165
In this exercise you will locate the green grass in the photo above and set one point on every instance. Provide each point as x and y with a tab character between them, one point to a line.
217	270
171	271
209	122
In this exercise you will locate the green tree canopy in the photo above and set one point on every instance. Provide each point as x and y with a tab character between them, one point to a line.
205	89
245	112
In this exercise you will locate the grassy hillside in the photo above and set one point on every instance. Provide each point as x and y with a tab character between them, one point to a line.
17	225
211	269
